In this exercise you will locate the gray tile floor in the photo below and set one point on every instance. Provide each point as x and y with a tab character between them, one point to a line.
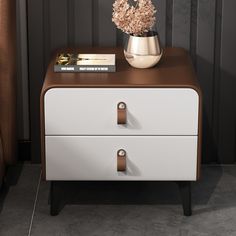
146	208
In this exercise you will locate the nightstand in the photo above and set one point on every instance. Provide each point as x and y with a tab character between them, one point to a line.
131	125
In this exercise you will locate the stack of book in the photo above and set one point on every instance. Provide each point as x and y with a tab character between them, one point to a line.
70	62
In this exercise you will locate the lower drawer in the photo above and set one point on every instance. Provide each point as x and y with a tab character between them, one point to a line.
95	157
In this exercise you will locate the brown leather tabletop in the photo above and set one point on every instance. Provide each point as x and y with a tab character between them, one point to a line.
174	70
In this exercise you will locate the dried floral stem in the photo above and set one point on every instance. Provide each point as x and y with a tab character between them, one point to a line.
136	19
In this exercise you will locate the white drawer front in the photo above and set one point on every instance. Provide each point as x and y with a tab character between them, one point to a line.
158	111
95	158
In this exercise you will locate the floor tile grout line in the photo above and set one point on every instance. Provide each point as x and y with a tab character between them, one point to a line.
35	203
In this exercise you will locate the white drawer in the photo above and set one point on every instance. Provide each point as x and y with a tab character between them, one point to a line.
150	111
95	157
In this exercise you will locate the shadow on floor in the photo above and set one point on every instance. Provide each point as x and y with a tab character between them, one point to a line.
133	193
12	176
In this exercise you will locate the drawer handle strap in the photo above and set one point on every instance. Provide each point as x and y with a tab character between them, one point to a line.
121	160
121	113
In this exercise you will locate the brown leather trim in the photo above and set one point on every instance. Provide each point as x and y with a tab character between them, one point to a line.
200	111
121	160
42	134
175	71
199	149
121	113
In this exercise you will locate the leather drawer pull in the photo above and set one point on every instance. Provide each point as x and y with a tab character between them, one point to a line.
121	113
121	160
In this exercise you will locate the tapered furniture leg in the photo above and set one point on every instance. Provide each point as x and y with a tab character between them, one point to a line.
185	192
54	199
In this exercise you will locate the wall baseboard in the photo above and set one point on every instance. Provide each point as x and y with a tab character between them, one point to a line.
24	150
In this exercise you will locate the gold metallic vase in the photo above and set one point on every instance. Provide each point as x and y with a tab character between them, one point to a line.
143	51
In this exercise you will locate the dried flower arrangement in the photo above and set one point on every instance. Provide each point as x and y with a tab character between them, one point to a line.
135	20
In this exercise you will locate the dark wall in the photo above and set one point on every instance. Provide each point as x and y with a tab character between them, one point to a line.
204	27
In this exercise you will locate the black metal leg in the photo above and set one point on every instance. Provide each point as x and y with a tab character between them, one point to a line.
54	199
185	192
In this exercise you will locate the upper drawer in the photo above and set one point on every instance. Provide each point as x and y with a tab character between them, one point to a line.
149	111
